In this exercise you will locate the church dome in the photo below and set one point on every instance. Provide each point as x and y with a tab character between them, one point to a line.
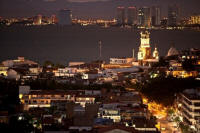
172	51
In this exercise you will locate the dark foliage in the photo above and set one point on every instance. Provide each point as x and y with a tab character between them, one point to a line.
53	65
162	63
9	95
163	90
188	65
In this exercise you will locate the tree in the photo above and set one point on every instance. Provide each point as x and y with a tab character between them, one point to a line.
9	95
188	64
184	128
58	65
48	64
21	126
177	120
162	63
162	90
170	111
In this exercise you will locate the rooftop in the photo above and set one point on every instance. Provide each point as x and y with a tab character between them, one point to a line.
52	92
116	128
172	52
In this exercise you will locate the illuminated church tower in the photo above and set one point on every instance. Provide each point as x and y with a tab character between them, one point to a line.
145	48
155	53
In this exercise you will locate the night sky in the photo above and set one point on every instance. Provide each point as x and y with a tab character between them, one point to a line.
88	8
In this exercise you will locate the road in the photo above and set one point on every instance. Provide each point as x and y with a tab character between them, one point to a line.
168	126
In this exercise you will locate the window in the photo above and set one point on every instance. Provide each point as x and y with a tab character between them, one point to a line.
68	96
197	110
197	104
87	99
34	95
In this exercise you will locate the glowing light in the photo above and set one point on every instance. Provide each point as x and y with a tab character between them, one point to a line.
20	96
157	110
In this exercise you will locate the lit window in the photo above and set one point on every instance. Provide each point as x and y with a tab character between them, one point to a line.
87	99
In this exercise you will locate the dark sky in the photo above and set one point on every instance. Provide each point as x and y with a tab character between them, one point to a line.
88	8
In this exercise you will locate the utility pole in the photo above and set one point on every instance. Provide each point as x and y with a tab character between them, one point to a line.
100	54
100	48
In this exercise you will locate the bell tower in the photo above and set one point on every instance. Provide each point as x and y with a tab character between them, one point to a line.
145	48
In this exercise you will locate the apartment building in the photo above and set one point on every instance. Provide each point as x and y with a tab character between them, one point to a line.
189	103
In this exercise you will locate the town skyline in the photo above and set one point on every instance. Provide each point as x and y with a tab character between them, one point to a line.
105	9
100	66
127	94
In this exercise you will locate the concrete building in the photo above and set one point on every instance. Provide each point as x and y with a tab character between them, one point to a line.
3	70
110	113
53	19
23	90
120	15
90	75
38	20
93	92
195	19
155	16
190	54
65	17
65	72
16	73
132	15
121	60
144	17
189	103
75	63
35	70
41	98
84	99
17	62
173	15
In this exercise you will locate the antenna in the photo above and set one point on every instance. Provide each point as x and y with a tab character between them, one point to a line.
100	47
133	53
